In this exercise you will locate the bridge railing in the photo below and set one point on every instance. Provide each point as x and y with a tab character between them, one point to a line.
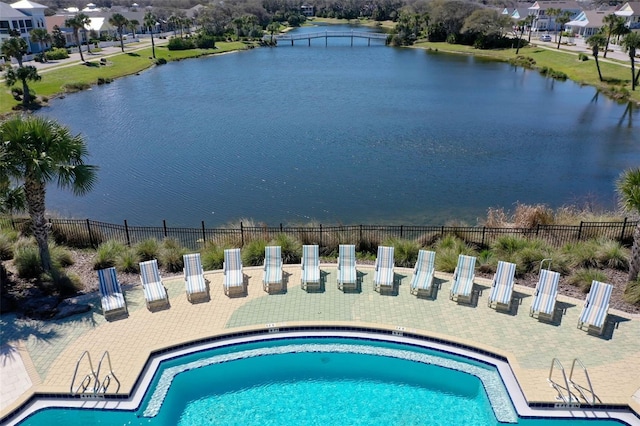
305	36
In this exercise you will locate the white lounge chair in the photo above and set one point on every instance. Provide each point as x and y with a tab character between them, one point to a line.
463	276
596	306
154	291
310	266
383	276
111	295
502	285
546	293
423	272
272	267
347	266
232	269
194	276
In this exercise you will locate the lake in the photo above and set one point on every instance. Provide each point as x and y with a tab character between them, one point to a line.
342	134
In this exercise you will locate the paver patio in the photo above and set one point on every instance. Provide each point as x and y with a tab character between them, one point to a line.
47	352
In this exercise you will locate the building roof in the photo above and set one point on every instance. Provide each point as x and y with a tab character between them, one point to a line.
7	12
630	8
26	4
589	19
556	4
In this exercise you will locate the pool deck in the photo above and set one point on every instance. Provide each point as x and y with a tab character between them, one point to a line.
37	356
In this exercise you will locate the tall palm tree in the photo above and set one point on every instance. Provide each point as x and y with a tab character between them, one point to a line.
631	43
611	23
150	22
40	36
23	74
39	151
15	47
132	25
119	21
562	20
552	12
76	24
628	188
597	41
85	21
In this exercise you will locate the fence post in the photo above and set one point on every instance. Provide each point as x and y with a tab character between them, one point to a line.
126	232
484	228
360	239
624	226
13	223
580	231
90	236
204	235
281	228
164	227
537	230
320	235
401	231
442	232
241	234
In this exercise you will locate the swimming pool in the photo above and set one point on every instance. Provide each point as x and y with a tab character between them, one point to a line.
316	381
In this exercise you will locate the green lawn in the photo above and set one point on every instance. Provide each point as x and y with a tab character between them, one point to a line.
617	75
54	80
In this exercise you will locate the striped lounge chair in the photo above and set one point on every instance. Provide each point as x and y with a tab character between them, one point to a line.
111	295
154	291
383	276
347	266
232	269
596	306
272	275
463	277
502	286
194	276
544	297
422	280
310	273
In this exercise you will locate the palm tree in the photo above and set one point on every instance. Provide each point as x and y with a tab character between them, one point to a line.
552	12
119	21
150	22
14	47
628	188
562	20
40	36
173	21
39	151
85	21
630	43
13	75
76	24
132	25
596	42
611	23
528	22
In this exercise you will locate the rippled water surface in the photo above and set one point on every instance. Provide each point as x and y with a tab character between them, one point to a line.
342	134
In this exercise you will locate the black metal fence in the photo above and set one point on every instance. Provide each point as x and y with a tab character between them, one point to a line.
89	233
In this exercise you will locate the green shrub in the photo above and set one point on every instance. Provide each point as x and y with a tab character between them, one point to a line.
583	254
204	41
212	257
107	254
291	248
582	57
405	252
583	277
67	284
178	43
528	259
75	236
611	254
253	253
161	61
6	246
487	261
148	249
26	259
128	261
171	254
632	292
60	256
75	87
56	53
446	260
508	245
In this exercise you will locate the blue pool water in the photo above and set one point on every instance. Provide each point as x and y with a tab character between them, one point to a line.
313	382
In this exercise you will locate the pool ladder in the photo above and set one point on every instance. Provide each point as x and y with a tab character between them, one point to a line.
93	377
569	398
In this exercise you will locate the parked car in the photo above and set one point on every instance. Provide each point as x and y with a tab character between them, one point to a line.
545	37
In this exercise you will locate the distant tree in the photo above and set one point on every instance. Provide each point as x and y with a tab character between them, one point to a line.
76	24
150	23
133	24
14	47
487	22
40	36
57	38
597	41
552	13
273	27
22	74
173	22
562	20
450	15
611	23
528	22
120	22
628	188
631	43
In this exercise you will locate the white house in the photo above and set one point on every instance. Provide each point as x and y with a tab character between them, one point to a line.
22	17
587	23
543	21
631	12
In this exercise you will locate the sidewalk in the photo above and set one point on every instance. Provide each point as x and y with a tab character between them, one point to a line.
580	46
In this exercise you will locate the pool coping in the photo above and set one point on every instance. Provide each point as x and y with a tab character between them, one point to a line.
278	331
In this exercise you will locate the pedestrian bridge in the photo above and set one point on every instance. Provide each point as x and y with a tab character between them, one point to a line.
327	35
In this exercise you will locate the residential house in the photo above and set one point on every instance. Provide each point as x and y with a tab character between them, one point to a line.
543	21
98	26
631	12
22	16
307	10
587	23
